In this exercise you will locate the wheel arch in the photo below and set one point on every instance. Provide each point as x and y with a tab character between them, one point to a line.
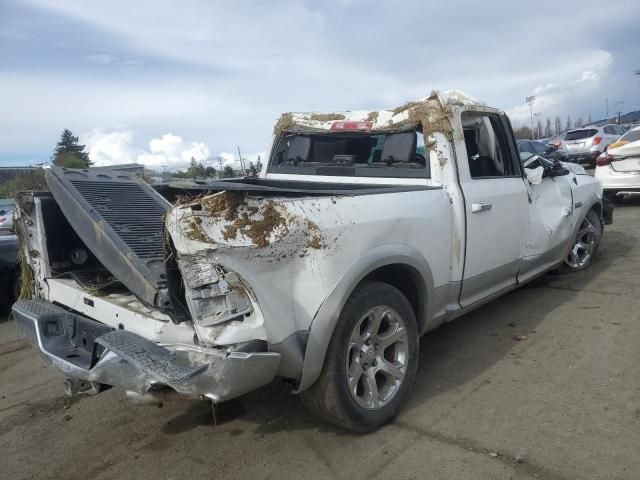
387	263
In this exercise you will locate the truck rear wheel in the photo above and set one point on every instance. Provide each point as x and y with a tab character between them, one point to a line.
371	360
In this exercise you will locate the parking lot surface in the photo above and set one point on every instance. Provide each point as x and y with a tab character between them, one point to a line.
541	383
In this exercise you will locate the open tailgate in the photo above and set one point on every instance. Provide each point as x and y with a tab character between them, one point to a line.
119	217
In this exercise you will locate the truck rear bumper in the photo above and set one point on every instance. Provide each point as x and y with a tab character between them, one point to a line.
91	354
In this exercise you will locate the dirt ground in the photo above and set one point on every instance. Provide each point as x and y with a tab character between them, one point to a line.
562	404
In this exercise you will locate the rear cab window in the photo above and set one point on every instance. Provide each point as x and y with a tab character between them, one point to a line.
360	154
580	134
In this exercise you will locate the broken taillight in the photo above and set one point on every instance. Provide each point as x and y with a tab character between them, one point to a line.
604	160
597	140
351	126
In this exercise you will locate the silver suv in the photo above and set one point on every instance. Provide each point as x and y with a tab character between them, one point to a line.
584	145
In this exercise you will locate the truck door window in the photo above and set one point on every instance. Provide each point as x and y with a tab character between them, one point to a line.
488	152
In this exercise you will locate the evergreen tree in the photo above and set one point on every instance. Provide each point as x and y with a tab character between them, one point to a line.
227	172
252	170
69	153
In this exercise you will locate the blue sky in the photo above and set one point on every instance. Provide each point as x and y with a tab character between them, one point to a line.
162	81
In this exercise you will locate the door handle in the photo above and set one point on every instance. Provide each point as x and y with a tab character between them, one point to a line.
480	207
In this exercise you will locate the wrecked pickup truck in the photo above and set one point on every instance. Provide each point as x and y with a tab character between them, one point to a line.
364	231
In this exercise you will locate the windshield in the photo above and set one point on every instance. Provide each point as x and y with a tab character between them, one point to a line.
581	134
360	154
631	136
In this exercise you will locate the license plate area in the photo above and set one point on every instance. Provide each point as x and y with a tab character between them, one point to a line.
72	338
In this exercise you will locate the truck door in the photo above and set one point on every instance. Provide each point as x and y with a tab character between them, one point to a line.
496	203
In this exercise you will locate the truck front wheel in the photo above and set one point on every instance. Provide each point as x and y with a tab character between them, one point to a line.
371	361
585	244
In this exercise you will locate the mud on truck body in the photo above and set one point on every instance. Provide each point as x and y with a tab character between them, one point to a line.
364	231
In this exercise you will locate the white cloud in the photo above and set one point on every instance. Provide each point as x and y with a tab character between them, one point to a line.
567	94
109	148
172	152
168	152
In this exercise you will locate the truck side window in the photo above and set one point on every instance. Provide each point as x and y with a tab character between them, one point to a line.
487	148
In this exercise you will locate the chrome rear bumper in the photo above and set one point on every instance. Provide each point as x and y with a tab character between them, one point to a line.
91	354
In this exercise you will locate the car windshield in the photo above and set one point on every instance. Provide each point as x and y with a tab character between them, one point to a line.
631	135
581	134
364	154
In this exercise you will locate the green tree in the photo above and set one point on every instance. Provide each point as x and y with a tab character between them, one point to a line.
522	133
210	172
69	153
196	169
227	172
252	170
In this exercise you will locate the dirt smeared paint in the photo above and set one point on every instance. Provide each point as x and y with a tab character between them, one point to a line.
326	117
316	241
196	232
372	117
258	224
284	124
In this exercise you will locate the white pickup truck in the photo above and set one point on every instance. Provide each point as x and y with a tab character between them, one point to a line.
364	231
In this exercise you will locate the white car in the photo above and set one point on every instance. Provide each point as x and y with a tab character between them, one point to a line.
618	169
365	230
586	144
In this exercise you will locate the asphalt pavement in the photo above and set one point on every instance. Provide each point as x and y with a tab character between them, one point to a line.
542	383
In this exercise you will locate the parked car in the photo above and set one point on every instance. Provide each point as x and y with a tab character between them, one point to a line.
535	147
584	145
556	141
364	231
8	254
618	170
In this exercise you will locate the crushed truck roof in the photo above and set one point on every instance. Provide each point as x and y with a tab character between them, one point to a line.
429	111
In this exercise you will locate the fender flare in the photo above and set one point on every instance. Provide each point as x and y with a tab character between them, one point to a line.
326	318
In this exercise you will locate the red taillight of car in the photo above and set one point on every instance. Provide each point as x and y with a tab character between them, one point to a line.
351	126
604	160
596	141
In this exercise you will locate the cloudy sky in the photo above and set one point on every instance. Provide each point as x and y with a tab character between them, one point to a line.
163	81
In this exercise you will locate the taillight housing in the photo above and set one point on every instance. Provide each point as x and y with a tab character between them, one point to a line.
596	141
604	160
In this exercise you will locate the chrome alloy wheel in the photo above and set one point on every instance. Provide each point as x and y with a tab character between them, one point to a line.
585	243
377	357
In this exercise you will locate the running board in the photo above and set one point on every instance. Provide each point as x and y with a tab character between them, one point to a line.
119	217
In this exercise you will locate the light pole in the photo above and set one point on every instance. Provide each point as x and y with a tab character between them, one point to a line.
637	73
619	104
530	101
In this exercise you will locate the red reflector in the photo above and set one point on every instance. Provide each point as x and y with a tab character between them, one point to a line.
350	126
597	140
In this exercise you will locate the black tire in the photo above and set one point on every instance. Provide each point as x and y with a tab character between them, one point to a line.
592	218
330	397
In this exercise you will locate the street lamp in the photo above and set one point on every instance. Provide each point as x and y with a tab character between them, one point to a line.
530	101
